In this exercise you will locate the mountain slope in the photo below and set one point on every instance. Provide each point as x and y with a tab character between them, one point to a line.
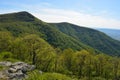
91	37
23	22
61	35
114	33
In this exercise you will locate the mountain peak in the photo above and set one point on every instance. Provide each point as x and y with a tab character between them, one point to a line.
23	12
18	16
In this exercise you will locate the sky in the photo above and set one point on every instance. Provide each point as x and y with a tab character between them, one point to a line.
89	13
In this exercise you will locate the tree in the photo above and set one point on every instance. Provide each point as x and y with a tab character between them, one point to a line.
6	39
116	65
41	53
79	62
104	65
67	58
57	59
88	67
20	49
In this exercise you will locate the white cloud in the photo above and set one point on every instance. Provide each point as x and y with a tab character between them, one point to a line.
59	15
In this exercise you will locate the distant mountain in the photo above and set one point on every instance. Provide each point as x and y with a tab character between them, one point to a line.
23	22
61	35
91	37
114	33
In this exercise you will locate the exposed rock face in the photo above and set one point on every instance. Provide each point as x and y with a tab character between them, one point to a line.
5	63
15	71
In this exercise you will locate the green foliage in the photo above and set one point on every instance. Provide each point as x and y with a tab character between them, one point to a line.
5	41
61	35
80	64
95	78
29	39
47	76
8	56
23	23
21	16
5	55
1	68
40	52
90	37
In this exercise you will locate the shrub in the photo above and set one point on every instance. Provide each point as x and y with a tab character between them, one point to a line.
5	55
35	75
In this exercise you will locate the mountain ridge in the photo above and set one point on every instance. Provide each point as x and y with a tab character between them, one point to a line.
53	36
91	37
24	22
114	33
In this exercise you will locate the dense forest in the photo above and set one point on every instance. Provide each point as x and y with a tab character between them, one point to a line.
81	64
59	54
91	37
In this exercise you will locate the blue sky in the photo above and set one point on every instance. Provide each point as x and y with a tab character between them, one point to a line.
90	13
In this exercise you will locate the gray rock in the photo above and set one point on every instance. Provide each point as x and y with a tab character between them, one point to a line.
40	72
2	75
17	75
12	70
5	63
16	71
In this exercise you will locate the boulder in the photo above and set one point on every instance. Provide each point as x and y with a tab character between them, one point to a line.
16	71
40	72
17	75
5	63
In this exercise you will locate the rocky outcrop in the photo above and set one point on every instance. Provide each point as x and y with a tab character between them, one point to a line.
5	63
15	71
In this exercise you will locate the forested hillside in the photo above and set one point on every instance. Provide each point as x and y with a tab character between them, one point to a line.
59	51
75	64
61	35
114	33
91	37
81	64
23	23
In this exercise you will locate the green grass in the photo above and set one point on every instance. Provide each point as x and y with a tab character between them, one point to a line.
1	68
7	56
35	75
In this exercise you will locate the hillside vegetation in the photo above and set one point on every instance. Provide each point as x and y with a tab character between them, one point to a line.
114	33
91	37
74	53
31	25
61	35
75	64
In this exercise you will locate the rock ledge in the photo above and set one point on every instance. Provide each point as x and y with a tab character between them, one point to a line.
15	71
